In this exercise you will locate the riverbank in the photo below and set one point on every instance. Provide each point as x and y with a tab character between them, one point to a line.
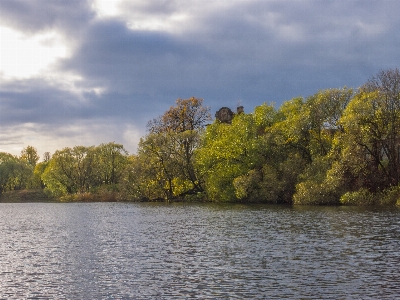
37	195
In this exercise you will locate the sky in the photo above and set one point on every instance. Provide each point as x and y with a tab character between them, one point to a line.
82	72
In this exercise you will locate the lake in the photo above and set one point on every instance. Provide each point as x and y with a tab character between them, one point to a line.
204	251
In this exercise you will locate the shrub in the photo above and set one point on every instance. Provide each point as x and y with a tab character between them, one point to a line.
390	196
311	193
360	197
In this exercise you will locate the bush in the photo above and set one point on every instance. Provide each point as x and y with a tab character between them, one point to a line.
198	197
360	197
100	196
314	188
390	196
311	193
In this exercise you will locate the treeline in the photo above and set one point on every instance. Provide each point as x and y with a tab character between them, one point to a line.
338	146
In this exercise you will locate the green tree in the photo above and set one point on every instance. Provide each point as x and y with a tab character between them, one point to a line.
14	172
109	163
371	141
29	154
142	181
158	150
70	171
37	182
230	152
322	112
292	131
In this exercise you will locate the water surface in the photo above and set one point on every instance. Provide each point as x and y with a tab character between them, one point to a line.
205	251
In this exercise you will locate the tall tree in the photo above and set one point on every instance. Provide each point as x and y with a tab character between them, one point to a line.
70	170
372	129
170	144
30	155
322	111
231	156
109	163
14	172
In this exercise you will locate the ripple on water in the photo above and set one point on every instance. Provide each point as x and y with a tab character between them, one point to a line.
142	251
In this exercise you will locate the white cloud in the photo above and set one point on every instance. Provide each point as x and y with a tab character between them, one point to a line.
106	8
23	56
173	16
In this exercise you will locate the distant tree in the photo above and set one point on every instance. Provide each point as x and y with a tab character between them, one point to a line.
109	163
29	154
83	169
323	111
362	164
70	170
158	150
6	166
36	181
14	172
141	180
46	156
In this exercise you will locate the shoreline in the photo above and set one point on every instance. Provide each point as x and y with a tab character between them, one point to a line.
38	195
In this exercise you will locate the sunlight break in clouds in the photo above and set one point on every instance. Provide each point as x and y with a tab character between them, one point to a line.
135	18
106	8
26	56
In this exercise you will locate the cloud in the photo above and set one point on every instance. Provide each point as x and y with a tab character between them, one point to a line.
24	57
41	15
127	64
36	100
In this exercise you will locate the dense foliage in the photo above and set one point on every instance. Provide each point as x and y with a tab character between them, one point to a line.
338	146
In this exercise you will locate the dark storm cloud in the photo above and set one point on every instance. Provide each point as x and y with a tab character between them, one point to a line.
36	101
38	15
256	51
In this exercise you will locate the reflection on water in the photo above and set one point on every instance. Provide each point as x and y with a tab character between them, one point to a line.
160	251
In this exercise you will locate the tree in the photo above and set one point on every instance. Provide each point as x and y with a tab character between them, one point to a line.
159	149
36	181
70	170
46	156
14	172
109	163
362	165
371	123
229	152
29	154
189	114
292	129
322	111
169	149
141	180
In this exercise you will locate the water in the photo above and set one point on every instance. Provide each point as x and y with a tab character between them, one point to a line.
204	251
